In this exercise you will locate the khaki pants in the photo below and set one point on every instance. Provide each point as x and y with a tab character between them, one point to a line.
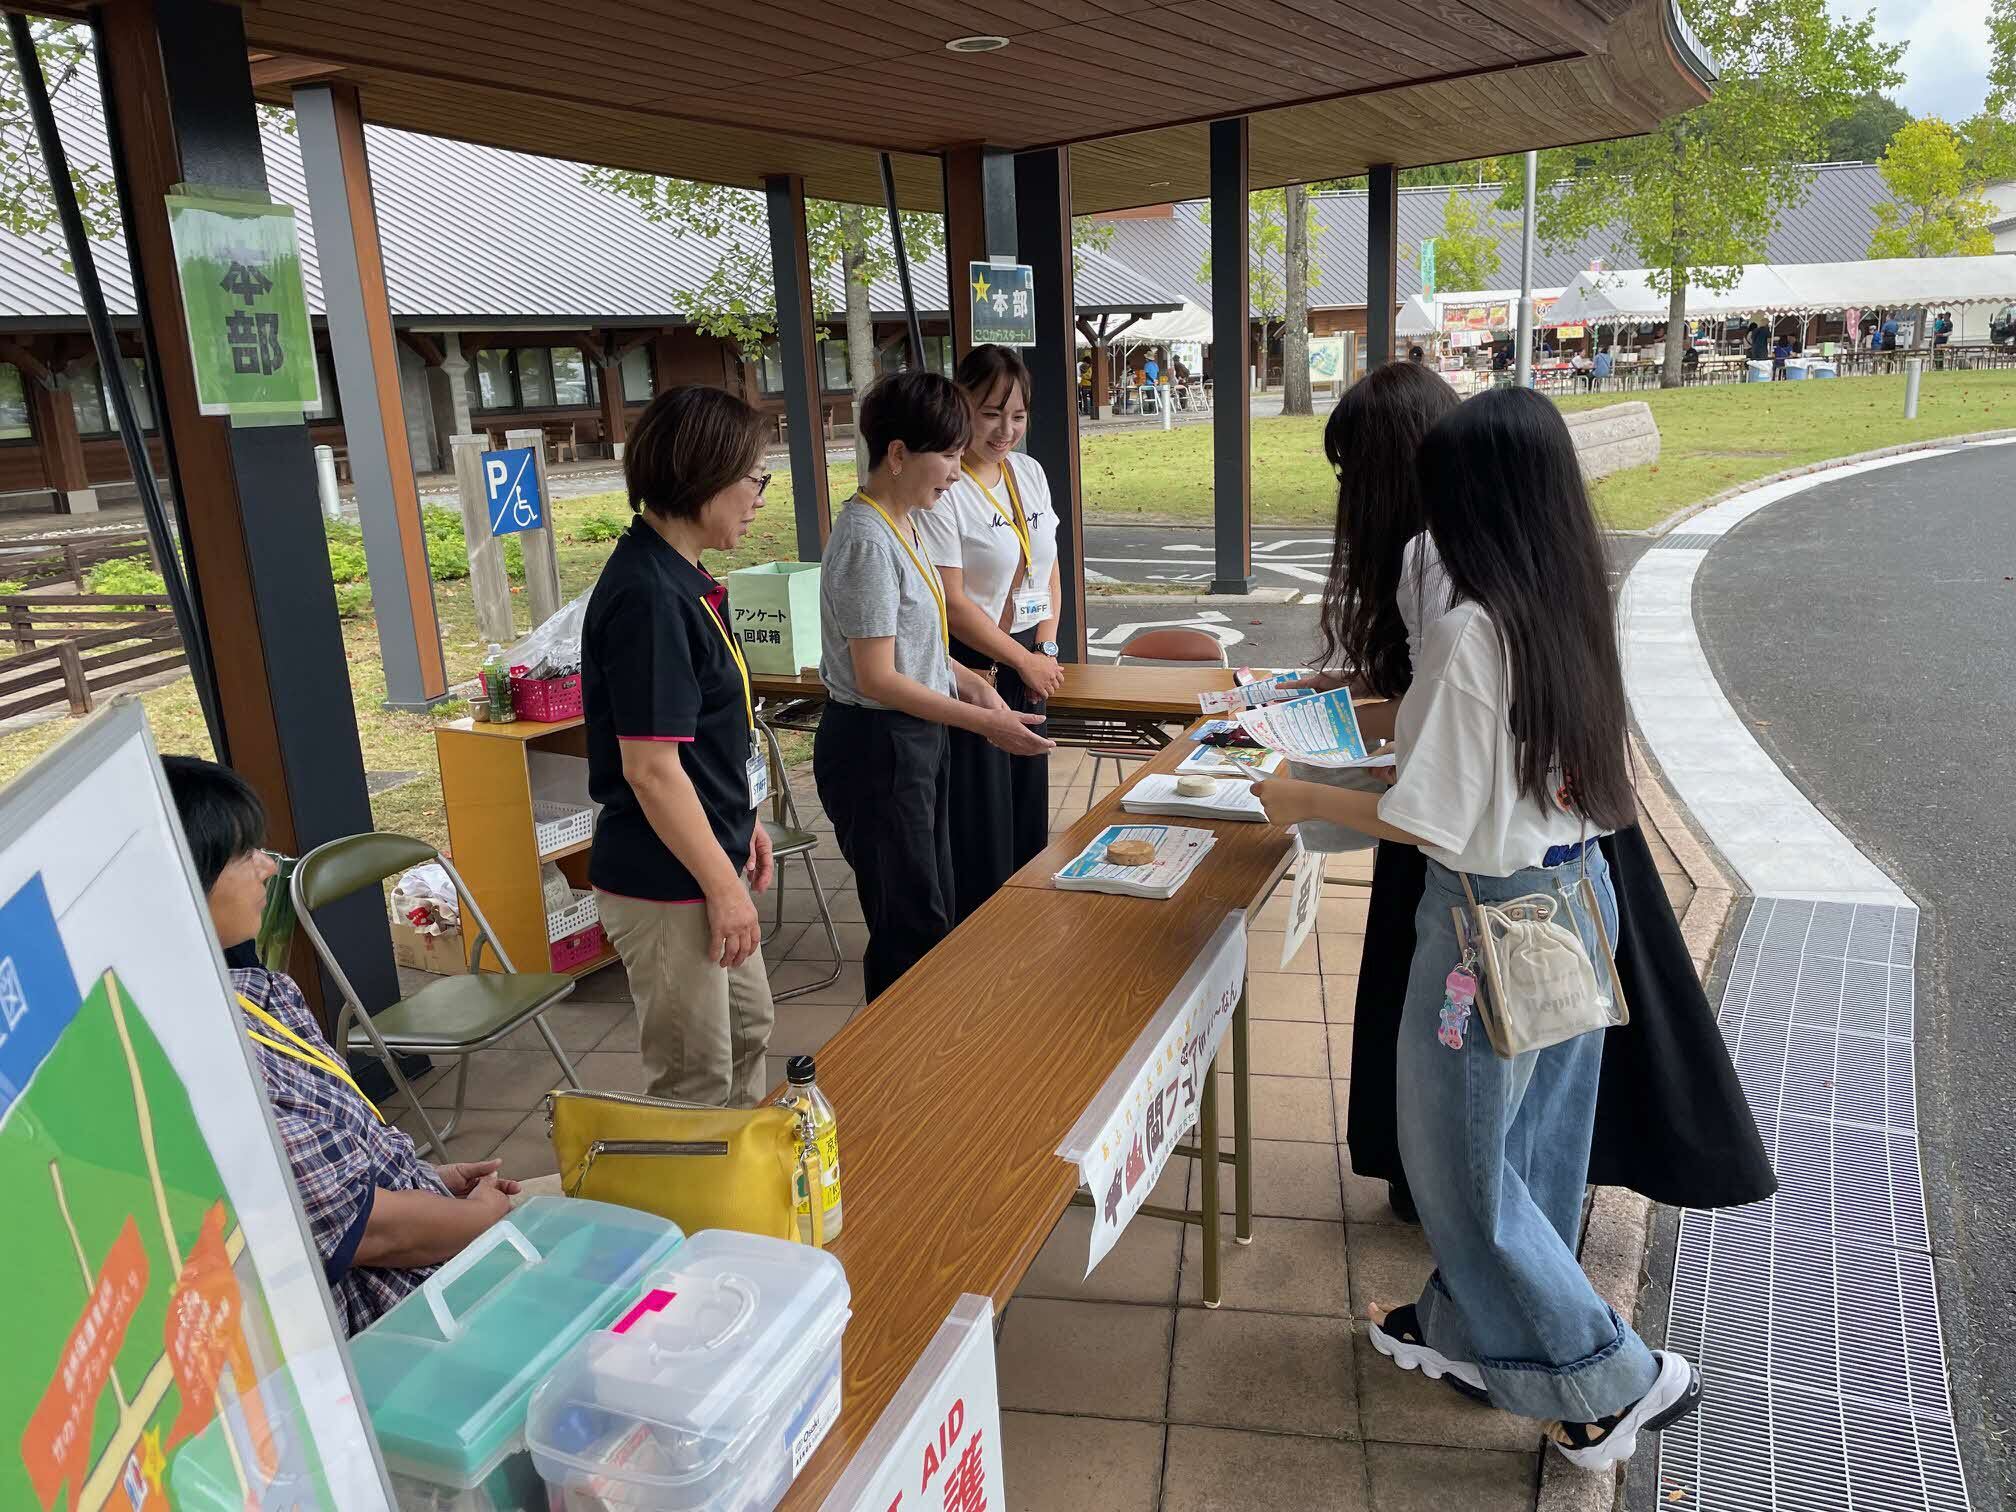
703	1028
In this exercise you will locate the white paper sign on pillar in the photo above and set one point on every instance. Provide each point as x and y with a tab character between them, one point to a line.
937	1445
1122	1141
1303	902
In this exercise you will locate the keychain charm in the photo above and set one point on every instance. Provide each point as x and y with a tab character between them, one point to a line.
1459	991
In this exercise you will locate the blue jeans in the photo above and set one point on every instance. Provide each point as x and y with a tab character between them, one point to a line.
1496	1153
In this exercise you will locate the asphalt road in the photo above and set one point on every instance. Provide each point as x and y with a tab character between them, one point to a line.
1867	631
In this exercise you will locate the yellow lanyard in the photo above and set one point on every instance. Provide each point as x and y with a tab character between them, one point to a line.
300	1050
1017	522
930	577
742	666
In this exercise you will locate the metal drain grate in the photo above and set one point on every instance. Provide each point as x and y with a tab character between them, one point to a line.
1813	1316
1700	540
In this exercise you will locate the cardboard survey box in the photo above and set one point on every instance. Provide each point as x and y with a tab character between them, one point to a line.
774	608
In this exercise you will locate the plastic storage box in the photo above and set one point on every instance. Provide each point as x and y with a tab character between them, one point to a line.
448	1373
709	1393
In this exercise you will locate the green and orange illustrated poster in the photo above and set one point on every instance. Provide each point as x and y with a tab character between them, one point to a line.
143	1372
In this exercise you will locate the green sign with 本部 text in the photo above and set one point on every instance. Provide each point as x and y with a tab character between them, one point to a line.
1004	304
240	265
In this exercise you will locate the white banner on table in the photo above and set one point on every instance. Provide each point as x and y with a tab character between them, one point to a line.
1303	902
1122	1141
938	1443
1320	730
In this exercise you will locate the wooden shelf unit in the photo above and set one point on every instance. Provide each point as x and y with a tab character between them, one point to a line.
486	784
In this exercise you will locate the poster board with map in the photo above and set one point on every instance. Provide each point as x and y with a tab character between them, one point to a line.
177	1350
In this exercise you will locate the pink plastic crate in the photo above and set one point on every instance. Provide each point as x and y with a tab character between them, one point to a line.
582	945
546	699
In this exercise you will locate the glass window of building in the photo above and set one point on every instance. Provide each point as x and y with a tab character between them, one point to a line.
833	365
938	352
637	385
770	368
14	424
535	377
330	407
87	398
492	374
570	376
136	390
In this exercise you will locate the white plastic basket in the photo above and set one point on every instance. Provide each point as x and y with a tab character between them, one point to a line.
577	916
559	825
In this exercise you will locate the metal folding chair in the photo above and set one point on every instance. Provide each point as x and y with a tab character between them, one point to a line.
1172	644
791	841
456	1015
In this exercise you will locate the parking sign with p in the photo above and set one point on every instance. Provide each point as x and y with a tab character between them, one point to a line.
511	491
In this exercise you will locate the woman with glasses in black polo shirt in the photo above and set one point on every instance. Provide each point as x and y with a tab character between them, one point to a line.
673	756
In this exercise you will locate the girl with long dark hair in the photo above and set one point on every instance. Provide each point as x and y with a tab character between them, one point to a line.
1511	759
1671	1118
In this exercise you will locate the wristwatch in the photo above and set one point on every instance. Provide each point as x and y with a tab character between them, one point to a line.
1046	648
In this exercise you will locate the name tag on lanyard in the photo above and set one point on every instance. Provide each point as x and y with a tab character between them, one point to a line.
1032	607
759	774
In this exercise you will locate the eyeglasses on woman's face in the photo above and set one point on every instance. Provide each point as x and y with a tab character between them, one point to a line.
760	479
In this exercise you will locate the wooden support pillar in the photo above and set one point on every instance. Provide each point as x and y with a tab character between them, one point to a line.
330	122
1231	356
1382	264
1043	240
615	415
179	108
54	418
979	224
791	266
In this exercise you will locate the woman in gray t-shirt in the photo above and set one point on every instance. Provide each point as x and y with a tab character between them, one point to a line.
891	689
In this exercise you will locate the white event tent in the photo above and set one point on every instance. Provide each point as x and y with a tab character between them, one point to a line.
1883	283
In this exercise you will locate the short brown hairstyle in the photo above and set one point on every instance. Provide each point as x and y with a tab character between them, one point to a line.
983	368
690	444
922	409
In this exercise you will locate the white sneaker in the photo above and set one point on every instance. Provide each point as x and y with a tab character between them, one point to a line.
1612	1440
1398	1337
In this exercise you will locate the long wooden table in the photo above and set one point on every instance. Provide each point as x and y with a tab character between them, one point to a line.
955	1087
1097	704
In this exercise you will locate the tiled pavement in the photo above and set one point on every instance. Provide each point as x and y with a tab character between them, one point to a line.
1120	1391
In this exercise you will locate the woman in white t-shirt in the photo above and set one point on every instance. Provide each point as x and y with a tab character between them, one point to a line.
993	538
1511	763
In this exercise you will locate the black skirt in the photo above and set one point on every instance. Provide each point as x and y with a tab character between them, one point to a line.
1671	1118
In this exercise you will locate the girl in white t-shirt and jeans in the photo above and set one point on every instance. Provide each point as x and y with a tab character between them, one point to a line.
1517	685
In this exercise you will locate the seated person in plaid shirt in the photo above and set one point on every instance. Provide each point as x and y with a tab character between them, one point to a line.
381	1217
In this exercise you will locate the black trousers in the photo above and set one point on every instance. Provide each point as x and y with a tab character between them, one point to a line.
1671	1118
881	777
1000	803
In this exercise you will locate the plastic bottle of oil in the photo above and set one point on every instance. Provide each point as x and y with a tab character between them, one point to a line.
804	1094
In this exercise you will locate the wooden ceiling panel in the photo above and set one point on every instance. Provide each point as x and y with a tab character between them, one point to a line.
697	89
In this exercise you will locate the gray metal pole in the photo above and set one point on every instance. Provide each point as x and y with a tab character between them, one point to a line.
1914	367
1523	342
486	558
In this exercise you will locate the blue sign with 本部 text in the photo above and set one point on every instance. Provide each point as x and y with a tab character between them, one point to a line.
511	490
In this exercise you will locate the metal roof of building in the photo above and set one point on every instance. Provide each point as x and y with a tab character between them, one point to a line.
476	236
1832	224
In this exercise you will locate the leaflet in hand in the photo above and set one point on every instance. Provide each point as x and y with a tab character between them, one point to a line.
1177	852
1320	730
1156	793
1249	695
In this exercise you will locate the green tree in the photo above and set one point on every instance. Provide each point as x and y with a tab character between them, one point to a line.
1695	199
1466	248
1299	274
1266	290
1988	139
2001	99
736	301
1934	211
26	206
1861	135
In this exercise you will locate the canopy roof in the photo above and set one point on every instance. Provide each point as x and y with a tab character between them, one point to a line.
1798	289
730	93
1189	322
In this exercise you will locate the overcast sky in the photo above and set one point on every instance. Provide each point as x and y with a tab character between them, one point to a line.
1945	67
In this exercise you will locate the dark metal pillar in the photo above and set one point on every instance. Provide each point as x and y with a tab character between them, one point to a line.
979	224
1043	237
179	109
1382	264
797	336
1231	361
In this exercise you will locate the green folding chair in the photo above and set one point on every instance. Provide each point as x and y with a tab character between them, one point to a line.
456	1015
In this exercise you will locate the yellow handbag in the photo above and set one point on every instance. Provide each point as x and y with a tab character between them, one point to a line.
702	1167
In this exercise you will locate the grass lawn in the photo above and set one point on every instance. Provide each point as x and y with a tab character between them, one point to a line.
1713	438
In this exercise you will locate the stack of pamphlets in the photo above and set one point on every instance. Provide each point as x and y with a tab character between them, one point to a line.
1177	852
1156	794
1220	760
